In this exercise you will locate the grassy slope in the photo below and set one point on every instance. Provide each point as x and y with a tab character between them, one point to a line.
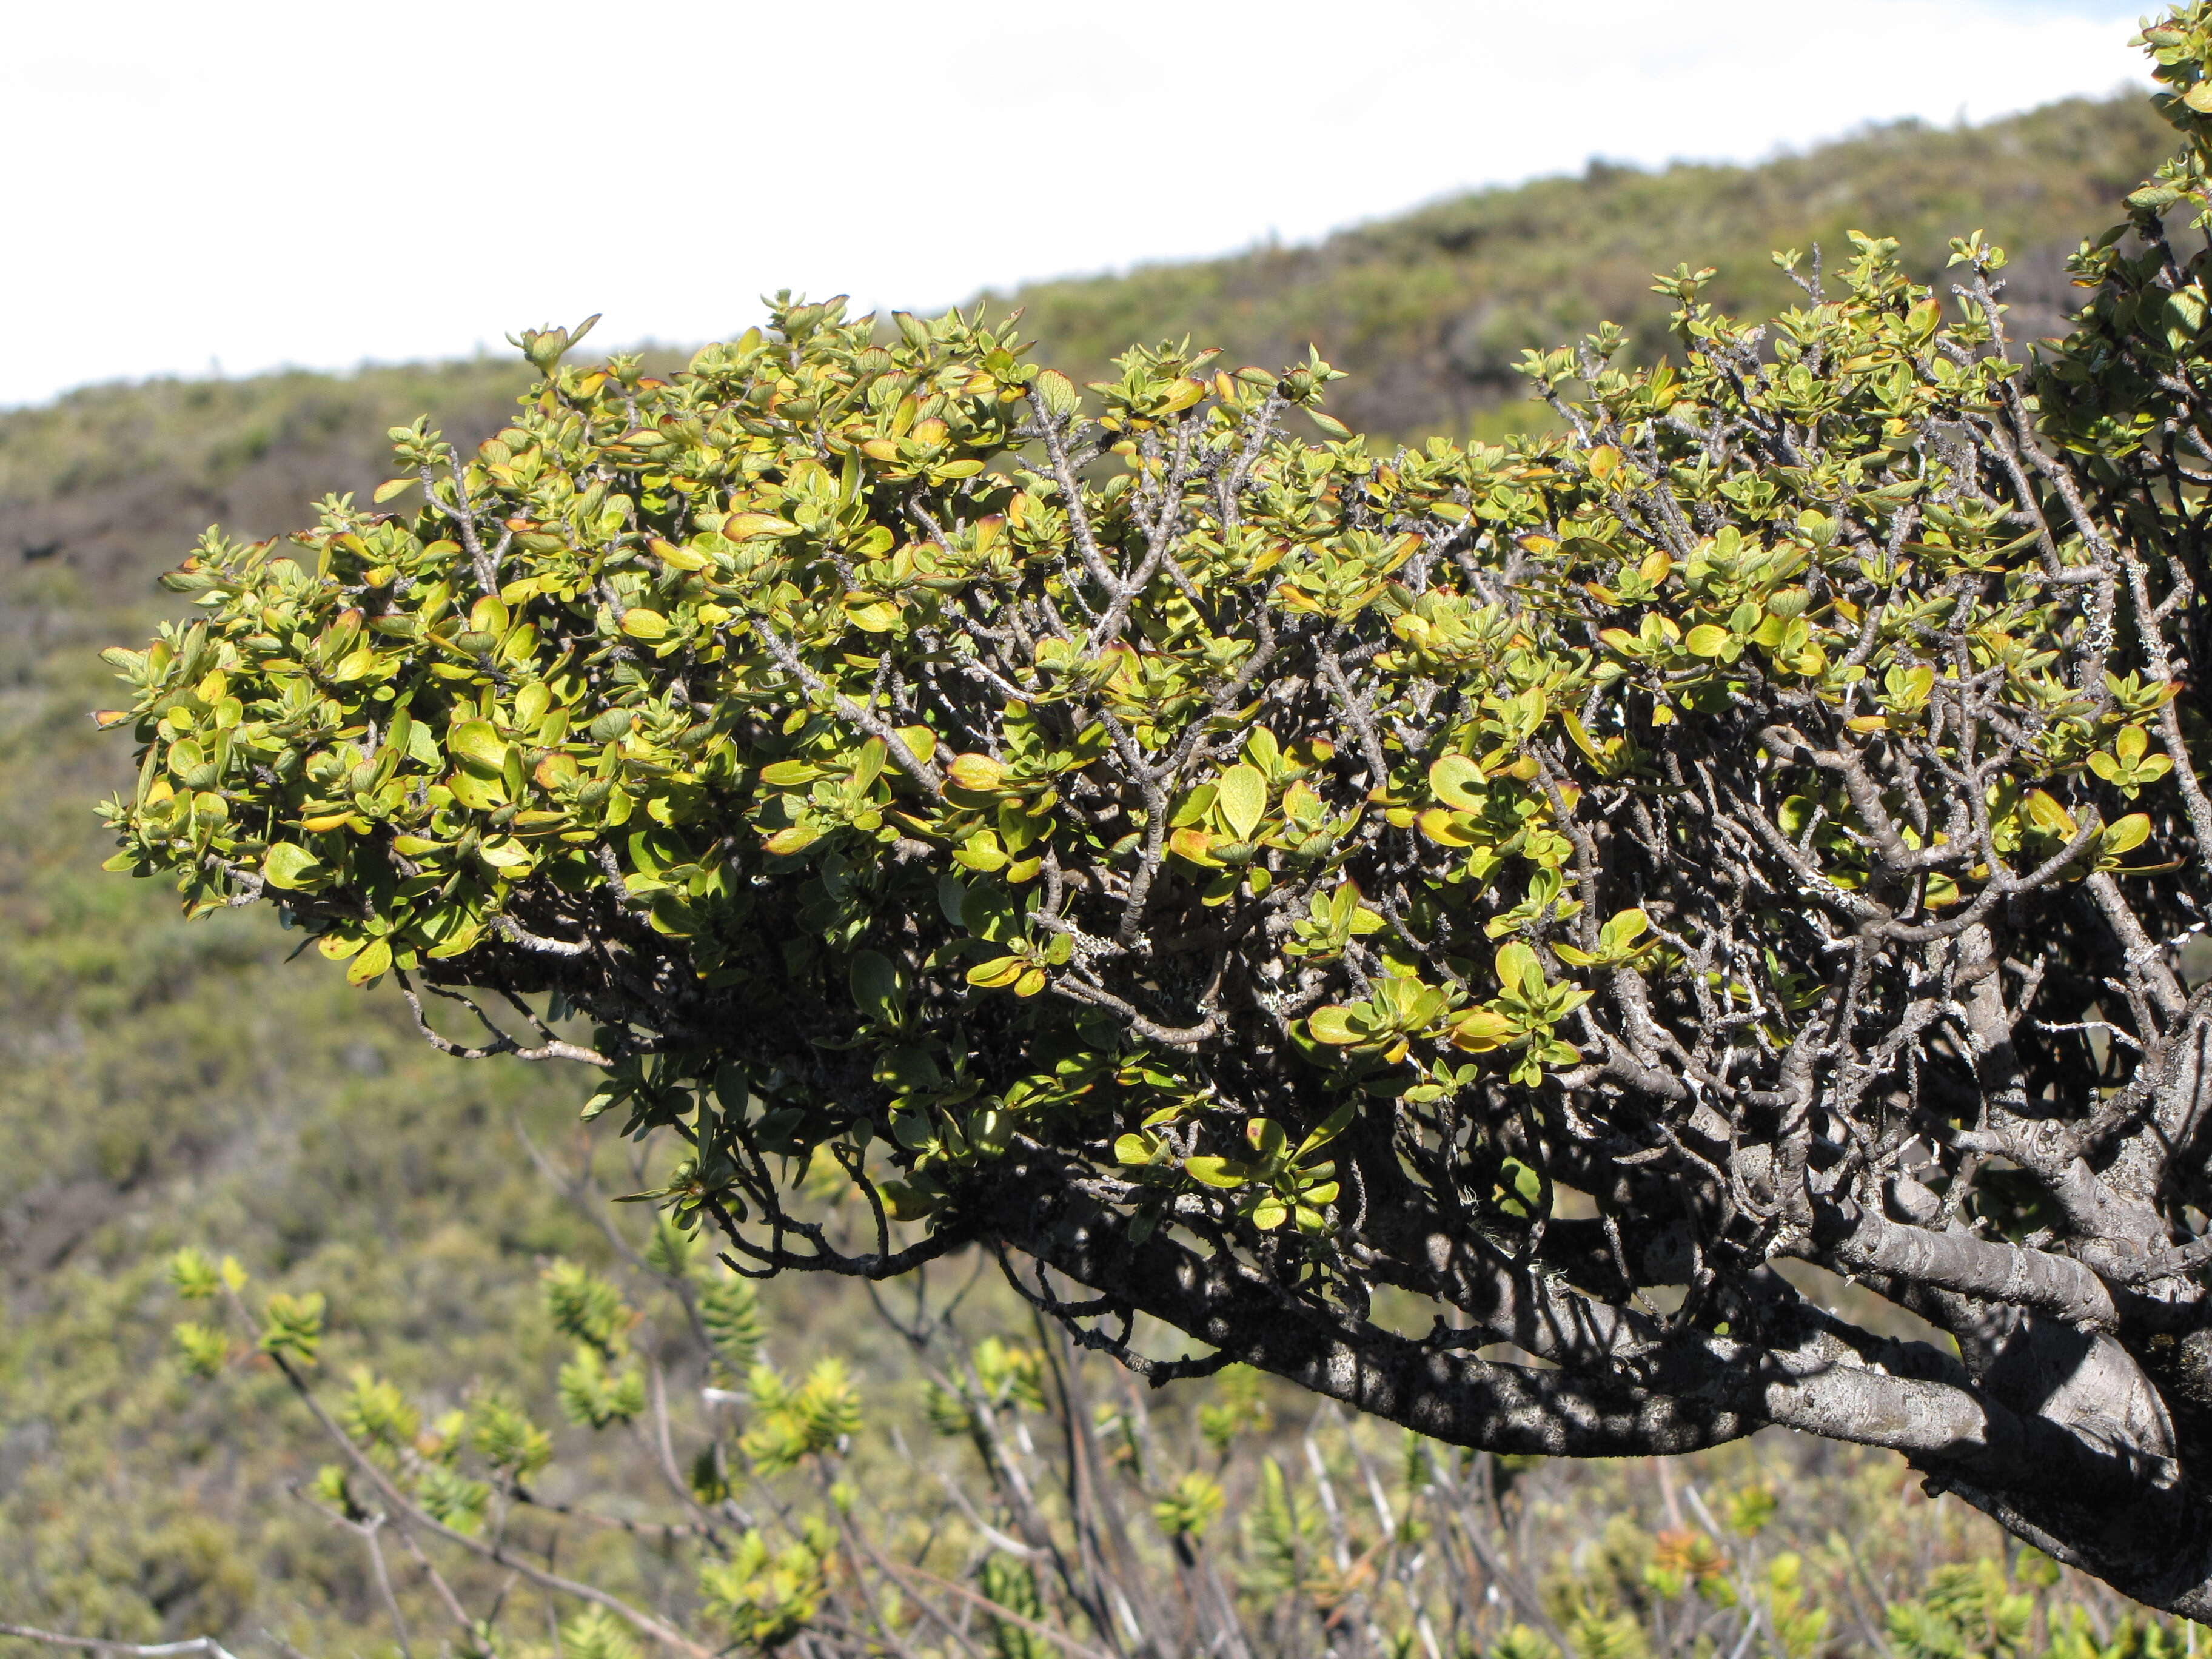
165	1084
161	1085
1431	310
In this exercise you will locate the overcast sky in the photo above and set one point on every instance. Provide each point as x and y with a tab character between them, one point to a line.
324	182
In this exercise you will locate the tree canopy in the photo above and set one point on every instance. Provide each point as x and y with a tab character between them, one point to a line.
1233	876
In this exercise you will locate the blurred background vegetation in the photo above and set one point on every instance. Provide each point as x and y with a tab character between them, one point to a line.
166	1085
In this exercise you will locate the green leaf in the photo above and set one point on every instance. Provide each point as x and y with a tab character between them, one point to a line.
1332	1026
730	1310
478	741
1457	782
796	838
373	961
910	1201
640	623
1241	797
2047	815
531	704
869	613
290	865
875	987
1136	1148
1194	843
474	790
1624	929
2124	836
505	854
205	1348
1518	968
978	773
1057	393
999	970
1217	1171
1330	1128
293	1328
952	899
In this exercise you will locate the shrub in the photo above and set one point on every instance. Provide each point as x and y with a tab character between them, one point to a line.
1235	875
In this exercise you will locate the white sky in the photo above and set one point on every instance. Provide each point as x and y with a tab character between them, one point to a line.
325	182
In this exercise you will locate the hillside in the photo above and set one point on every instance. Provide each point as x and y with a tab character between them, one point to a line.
1430	312
329	1146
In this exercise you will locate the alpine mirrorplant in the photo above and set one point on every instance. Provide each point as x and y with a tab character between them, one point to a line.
1138	830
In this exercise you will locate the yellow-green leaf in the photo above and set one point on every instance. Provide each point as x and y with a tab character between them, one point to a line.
477	741
1481	1030
373	961
1217	1171
871	613
1135	1149
1057	393
1195	844
979	773
1519	970
796	839
289	864
1332	1025
1457	782
743	526
1241	797
1449	829
2124	836
2047	815
679	558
